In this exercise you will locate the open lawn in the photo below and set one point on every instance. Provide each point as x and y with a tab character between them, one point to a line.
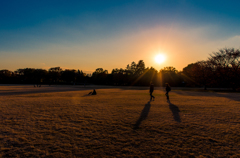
62	121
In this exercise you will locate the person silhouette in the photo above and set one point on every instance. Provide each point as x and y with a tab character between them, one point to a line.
151	91
168	89
92	93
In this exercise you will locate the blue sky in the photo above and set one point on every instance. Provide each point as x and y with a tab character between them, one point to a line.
111	34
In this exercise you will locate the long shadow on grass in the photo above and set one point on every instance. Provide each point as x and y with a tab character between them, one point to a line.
143	115
175	111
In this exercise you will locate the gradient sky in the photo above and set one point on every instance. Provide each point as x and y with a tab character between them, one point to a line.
108	34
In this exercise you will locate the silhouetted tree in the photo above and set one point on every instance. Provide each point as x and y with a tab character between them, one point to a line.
202	73
81	77
225	64
54	74
7	76
140	67
149	74
118	76
198	74
69	76
222	69
99	76
40	76
187	75
133	68
27	75
169	75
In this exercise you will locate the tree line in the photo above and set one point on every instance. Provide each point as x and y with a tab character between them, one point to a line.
221	69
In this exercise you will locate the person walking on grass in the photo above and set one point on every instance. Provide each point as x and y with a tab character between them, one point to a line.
168	89
151	91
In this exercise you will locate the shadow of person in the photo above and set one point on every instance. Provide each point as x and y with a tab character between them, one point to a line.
143	115
85	95
175	111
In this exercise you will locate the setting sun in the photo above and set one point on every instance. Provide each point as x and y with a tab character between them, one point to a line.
160	58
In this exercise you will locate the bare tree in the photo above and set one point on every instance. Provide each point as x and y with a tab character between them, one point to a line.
226	67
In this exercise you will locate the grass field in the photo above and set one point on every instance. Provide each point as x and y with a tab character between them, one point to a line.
62	121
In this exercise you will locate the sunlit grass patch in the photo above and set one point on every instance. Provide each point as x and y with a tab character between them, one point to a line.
118	122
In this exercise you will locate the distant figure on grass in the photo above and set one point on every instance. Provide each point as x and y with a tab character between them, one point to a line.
151	91
168	89
37	85
92	93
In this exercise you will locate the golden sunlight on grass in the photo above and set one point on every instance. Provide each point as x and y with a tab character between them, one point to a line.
160	58
62	121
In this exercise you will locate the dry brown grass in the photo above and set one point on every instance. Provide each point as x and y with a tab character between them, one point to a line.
63	122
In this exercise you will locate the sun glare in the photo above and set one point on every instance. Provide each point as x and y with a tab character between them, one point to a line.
160	58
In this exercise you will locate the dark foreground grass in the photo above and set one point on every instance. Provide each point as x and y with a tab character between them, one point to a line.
118	123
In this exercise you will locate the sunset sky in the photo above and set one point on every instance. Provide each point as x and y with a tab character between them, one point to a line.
108	34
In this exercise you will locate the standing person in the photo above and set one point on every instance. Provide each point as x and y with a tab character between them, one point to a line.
168	89
151	91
